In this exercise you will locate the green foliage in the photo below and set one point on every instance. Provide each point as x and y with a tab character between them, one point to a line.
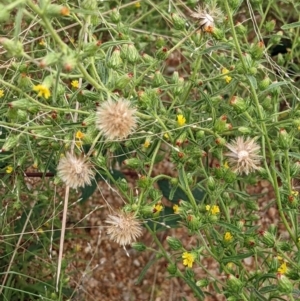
213	100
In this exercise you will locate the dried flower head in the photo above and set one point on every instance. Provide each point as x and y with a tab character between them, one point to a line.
207	16
243	155
75	171
116	119
124	228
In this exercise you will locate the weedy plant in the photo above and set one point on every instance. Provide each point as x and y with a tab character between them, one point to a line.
87	85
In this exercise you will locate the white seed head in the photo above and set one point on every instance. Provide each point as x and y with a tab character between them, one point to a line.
116	119
75	171
243	156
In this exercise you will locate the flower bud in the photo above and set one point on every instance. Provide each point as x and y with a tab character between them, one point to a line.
179	23
265	83
202	282
133	163
162	53
147	58
115	60
276	38
138	246
193	222
90	49
13	48
284	246
174	243
284	284
132	54
270	25
55	10
220	124
211	183
257	50
285	140
115	16
158	79
234	284
244	130
218	34
220	141
250	242
267	238
172	269
123	81
10	143
23	104
4	13
239	104
240	28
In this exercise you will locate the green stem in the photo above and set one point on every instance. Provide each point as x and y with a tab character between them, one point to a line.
263	126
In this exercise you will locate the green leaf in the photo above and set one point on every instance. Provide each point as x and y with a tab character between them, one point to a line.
252	80
237	257
173	196
229	226
291	25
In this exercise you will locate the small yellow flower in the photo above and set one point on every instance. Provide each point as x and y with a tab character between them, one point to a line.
77	247
226	165
157	208
228	237
1	93
40	230
207	207
295	193
226	77
282	269
166	136
188	259
299	128
215	210
181	120
146	143
79	135
279	258
176	209
42	42
42	91
137	5
75	84
9	169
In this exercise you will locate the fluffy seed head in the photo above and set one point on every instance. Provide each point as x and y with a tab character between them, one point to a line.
116	119
207	16
243	156
75	171
124	228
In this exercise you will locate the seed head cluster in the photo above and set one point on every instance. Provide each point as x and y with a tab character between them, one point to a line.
75	171
207	16
243	156
116	119
124	228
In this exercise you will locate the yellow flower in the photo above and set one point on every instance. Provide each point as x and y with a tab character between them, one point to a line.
137	5
42	42
226	165
228	236
157	208
42	91
282	269
176	209
9	169
166	136
1	93
75	84
188	259
146	143
226	77
215	210
295	192
79	135
181	120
